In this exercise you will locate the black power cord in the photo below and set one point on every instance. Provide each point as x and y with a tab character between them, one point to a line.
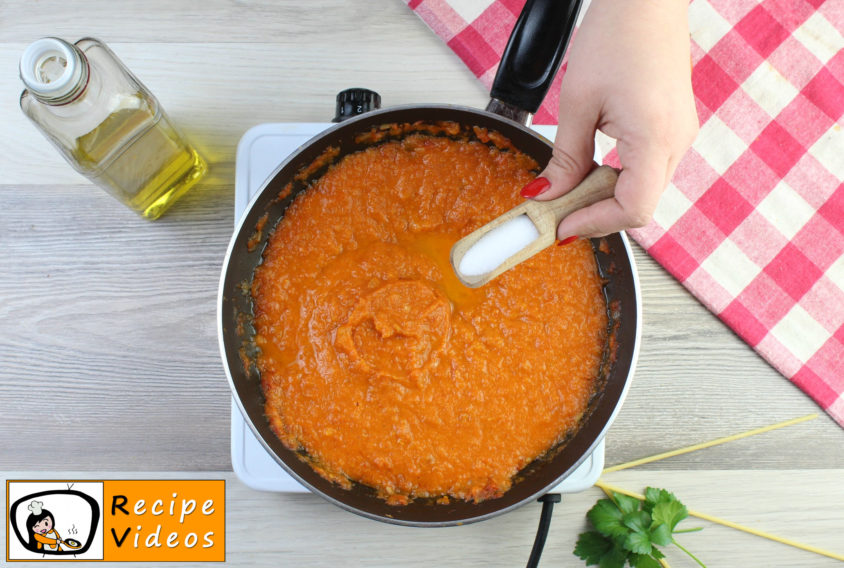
547	501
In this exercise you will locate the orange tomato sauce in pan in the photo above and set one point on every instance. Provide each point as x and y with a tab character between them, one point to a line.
387	371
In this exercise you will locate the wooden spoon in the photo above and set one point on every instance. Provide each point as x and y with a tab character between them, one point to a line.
545	215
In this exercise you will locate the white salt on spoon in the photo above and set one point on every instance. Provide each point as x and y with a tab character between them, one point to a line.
499	244
525	230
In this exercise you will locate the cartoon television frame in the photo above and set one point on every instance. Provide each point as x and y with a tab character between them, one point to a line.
82	548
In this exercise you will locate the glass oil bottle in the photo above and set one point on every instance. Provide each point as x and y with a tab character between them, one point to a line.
106	124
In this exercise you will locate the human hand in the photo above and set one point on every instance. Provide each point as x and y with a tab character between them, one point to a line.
628	76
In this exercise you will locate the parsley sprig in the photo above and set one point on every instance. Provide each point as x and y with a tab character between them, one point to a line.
628	530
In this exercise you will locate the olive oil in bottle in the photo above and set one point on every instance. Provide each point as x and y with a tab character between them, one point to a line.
107	125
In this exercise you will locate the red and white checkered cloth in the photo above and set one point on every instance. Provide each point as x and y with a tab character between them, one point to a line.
753	221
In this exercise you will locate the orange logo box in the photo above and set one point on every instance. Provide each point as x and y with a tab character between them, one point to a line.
171	520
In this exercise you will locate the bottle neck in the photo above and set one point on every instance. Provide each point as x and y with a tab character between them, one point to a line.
54	71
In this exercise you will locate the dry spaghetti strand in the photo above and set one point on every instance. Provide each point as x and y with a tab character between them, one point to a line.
709	444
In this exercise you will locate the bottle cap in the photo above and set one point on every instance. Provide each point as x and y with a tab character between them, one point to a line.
52	69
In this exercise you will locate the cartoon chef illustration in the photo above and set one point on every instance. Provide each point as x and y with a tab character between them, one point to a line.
41	530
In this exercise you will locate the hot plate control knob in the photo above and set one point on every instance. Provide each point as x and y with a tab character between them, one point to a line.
353	102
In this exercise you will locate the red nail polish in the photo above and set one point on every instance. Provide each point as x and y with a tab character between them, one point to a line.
535	187
567	240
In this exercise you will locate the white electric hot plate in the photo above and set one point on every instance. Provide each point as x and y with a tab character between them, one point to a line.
259	152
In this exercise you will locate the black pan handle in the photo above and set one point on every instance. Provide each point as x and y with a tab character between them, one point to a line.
534	53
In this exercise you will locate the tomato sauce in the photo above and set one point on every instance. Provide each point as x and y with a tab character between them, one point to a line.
379	364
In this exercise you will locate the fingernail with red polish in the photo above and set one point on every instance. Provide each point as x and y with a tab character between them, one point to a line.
567	240
535	187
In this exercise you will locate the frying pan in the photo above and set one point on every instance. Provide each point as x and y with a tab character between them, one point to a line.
530	61
71	543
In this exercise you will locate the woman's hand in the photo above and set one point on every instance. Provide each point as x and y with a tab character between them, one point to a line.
628	75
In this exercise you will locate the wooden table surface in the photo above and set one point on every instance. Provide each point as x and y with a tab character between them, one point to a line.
108	350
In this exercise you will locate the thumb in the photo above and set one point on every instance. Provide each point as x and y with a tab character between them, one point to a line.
574	148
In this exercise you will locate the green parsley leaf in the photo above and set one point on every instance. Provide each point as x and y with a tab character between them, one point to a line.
638	542
652	495
606	517
625	503
600	550
670	513
660	534
655	496
615	558
592	546
639	521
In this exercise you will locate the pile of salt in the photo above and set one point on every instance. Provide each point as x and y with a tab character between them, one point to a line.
498	245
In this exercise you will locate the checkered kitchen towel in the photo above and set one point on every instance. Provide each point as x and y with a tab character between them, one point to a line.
753	221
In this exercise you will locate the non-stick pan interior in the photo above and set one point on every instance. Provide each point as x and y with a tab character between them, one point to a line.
236	332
